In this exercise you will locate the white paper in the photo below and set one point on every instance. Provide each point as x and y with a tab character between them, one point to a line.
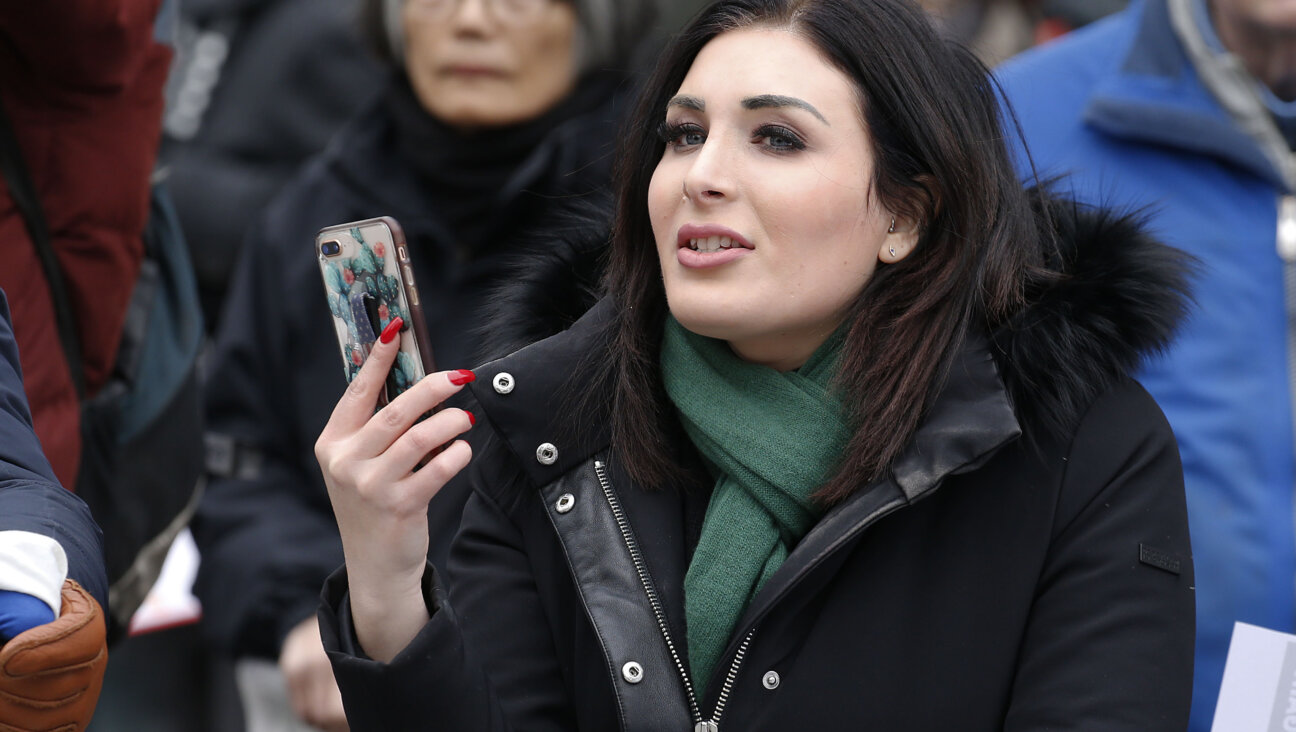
1259	689
171	602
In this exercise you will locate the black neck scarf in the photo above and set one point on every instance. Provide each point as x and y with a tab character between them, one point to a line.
467	178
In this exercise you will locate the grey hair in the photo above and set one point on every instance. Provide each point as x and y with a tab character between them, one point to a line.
610	32
392	32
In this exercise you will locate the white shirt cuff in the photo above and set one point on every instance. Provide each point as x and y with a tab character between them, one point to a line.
35	565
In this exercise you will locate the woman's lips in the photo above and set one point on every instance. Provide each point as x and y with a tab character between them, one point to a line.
701	260
708	245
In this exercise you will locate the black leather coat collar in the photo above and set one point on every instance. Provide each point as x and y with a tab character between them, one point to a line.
533	409
649	691
968	423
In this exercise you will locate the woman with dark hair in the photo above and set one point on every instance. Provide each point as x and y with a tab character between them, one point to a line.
850	443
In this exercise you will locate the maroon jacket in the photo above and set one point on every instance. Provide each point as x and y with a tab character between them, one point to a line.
82	83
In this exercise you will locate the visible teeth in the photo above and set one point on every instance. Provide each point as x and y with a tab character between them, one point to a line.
711	244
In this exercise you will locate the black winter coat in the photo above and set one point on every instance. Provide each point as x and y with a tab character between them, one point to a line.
265	527
1024	566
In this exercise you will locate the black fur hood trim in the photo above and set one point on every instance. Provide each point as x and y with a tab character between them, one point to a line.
1118	297
552	281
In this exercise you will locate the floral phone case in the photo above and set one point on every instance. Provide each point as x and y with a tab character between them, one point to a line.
368	280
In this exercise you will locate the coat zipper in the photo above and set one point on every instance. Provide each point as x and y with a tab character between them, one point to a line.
699	724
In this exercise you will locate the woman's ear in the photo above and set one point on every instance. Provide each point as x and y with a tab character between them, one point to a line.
901	239
906	228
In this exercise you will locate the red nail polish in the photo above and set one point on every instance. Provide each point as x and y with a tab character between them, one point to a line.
471	419
461	377
391	330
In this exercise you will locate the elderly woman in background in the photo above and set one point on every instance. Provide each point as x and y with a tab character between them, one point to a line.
849	443
497	113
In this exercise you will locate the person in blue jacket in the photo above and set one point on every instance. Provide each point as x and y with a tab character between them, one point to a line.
1185	107
53	586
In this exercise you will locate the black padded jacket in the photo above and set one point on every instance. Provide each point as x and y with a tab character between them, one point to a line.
1025	564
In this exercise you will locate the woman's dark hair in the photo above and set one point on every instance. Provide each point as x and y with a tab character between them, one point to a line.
940	160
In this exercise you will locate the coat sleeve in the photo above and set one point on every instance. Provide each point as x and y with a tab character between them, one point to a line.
486	659
264	527
1109	644
30	497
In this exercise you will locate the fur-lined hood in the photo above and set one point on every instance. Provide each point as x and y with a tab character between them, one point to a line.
1119	298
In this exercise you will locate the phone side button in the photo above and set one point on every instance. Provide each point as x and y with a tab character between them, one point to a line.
409	285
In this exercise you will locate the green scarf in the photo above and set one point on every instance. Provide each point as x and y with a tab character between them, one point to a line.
771	439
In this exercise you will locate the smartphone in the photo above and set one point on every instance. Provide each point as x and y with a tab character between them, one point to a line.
369	282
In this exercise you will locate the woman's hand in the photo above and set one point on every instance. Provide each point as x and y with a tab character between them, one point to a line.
308	675
380	500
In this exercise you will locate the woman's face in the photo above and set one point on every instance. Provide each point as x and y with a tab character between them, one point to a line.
474	69
761	207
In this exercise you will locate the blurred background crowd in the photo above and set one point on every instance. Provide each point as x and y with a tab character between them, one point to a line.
283	116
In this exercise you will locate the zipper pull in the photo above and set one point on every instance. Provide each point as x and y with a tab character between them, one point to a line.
707	726
1287	228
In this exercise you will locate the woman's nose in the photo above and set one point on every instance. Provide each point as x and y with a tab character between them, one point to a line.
709	177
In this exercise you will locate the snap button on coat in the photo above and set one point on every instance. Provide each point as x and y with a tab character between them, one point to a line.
547	454
503	382
632	672
771	680
565	502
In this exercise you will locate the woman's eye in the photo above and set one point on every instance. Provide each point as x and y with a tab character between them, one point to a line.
779	138
681	135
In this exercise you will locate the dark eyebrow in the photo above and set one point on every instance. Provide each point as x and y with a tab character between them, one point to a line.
687	102
777	100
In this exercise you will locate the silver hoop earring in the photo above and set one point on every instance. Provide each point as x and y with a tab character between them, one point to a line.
892	230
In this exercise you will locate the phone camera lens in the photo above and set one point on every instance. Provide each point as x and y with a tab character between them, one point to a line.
330	248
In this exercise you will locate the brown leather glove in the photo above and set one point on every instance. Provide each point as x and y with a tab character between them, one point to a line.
51	675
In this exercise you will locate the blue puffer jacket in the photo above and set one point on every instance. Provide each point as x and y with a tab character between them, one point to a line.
1120	107
30	497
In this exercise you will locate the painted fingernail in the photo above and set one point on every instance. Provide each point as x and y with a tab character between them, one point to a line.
471	419
391	330
461	377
